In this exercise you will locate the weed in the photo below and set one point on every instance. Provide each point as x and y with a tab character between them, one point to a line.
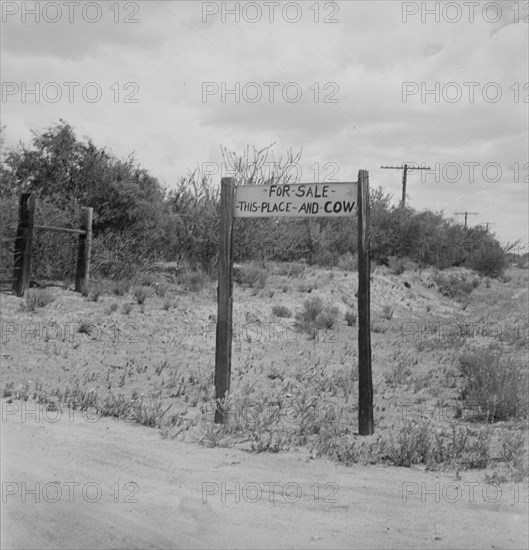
168	303
292	269
348	262
161	289
95	292
111	308
398	373
453	287
350	317
193	281
387	312
84	327
379	327
494	386
281	311
251	275
37	297
141	293
121	287
316	315
306	287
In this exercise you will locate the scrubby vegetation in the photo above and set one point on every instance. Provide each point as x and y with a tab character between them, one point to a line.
138	223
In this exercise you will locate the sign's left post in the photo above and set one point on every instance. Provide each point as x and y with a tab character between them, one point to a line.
224	300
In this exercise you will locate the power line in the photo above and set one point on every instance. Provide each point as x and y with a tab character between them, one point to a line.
404	168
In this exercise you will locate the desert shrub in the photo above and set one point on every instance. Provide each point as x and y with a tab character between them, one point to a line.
387	312
192	280
111	308
160	289
121	287
489	259
84	327
316	315
400	265
296	269
453	286
37	297
348	262
311	309
307	287
350	317
168	303
281	311
398	372
251	275
145	279
379	327
95	291
327	318
126	309
494	386
141	293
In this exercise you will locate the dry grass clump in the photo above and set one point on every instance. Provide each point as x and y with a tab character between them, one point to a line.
250	275
121	287
192	280
495	386
351	317
316	316
141	293
281	311
36	298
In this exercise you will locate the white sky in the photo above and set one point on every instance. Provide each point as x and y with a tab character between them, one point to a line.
361	61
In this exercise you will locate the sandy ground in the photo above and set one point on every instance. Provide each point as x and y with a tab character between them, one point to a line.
81	471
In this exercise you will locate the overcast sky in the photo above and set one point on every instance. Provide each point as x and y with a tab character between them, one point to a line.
353	84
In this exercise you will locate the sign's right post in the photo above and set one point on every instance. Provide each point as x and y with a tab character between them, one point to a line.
366	425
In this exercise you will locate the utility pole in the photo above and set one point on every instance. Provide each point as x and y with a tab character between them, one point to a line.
487	225
466	214
404	169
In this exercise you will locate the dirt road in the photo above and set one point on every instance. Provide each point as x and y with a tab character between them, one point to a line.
108	484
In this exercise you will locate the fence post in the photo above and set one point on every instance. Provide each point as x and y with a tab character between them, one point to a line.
84	247
23	243
366	425
225	298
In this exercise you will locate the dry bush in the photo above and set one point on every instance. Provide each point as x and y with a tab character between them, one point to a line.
316	315
192	280
37	297
95	291
281	311
251	275
387	312
495	386
350	317
141	293
121	287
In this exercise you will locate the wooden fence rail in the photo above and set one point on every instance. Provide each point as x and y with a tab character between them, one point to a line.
24	241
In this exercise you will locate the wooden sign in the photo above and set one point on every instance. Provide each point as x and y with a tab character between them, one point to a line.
299	200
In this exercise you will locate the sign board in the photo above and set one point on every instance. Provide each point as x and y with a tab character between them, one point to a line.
299	200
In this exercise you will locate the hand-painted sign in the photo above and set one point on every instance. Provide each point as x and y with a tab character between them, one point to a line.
299	200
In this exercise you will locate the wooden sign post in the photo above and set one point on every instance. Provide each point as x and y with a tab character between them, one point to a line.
299	200
366	425
225	299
